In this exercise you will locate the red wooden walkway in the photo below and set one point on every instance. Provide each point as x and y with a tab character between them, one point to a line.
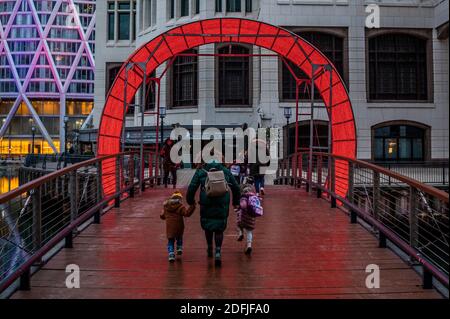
303	249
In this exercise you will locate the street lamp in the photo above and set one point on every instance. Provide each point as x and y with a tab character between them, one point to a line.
33	132
287	115
66	123
162	115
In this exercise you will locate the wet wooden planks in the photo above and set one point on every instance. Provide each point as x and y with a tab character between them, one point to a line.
302	249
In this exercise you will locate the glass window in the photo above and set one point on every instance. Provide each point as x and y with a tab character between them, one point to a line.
248	6
171	4
399	143
111	24
185	80
330	45
197	6
233	5
218	5
320	135
184	8
124	26
234	77
150	93
397	68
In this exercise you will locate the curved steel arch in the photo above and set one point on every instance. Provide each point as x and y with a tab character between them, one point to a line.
219	30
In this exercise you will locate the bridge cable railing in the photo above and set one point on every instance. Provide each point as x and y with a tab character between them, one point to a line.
411	215
48	211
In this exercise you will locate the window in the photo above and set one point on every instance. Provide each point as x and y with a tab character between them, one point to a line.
398	67
185	81
331	46
121	20
171	6
150	93
184	8
248	6
111	20
124	20
149	13
233	77
197	7
320	135
218	5
233	5
112	70
399	142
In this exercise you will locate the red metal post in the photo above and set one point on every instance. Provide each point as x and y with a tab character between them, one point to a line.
158	82
296	130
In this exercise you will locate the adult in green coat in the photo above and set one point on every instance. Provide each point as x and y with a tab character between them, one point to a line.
213	210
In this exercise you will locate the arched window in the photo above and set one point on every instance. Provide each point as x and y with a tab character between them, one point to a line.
399	141
112	70
320	135
398	67
329	44
185	80
233	77
150	93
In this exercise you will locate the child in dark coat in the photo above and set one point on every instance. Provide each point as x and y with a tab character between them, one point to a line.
246	221
174	213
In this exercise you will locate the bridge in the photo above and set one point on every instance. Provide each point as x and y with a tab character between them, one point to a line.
311	243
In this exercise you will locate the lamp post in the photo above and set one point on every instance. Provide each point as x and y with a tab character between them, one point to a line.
162	115
33	133
287	115
66	122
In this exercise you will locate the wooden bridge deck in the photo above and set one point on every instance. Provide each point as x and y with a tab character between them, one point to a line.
302	249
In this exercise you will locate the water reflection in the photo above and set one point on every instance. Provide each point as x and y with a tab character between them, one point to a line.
9	179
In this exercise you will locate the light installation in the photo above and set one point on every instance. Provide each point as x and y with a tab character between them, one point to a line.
222	30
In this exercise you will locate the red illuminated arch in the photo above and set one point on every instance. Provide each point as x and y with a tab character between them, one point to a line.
220	30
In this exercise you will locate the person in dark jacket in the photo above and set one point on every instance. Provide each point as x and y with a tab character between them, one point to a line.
169	167
214	211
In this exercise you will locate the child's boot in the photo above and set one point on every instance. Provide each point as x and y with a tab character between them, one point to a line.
171	257
248	250
240	235
179	250
218	257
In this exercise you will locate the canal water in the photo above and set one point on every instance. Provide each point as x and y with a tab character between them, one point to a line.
9	178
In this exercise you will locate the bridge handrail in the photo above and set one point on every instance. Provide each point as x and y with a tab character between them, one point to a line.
41	180
405	179
40	214
420	229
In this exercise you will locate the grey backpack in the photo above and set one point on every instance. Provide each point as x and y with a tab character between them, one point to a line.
215	185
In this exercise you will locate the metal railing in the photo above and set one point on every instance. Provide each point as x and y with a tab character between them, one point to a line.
41	160
46	212
411	215
432	172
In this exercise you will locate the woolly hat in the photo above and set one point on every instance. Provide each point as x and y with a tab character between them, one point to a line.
176	194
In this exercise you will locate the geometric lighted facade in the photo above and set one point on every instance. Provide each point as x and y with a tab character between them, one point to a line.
46	72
